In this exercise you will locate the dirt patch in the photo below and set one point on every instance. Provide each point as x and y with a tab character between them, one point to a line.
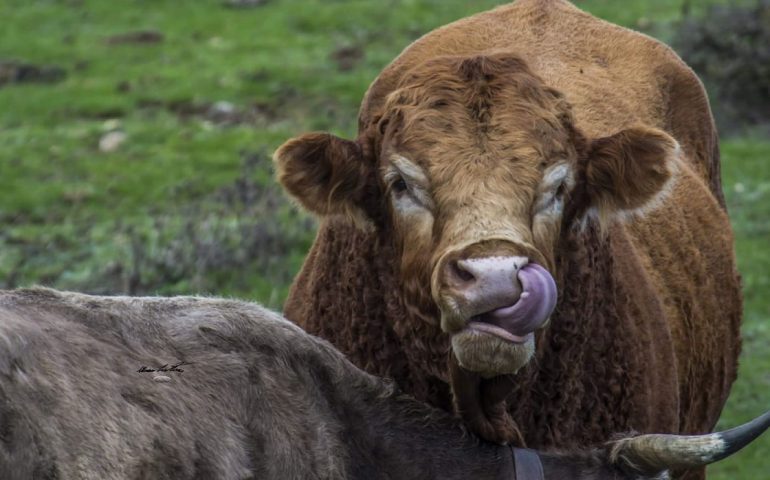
14	72
347	58
137	37
244	3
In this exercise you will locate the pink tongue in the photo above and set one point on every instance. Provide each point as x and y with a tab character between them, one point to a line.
537	301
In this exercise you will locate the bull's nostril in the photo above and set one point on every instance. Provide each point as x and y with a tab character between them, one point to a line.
460	273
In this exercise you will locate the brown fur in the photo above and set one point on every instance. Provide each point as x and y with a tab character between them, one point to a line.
616	179
342	175
645	334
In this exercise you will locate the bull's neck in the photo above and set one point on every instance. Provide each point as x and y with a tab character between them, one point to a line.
391	435
398	437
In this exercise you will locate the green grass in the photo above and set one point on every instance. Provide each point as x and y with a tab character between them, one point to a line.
746	181
187	204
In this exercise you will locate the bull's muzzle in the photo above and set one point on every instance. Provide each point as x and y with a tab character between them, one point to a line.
506	296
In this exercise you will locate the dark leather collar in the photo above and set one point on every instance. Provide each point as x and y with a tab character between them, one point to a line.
527	464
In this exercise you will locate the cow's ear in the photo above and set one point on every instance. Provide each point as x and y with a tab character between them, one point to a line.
627	171
326	174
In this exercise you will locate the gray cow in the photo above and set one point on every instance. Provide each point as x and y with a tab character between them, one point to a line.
202	388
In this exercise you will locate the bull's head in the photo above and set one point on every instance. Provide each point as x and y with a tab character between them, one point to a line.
473	167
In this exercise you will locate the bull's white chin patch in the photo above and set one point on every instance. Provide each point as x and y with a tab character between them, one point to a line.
489	354
499	331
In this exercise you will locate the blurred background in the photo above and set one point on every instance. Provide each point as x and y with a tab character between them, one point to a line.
135	140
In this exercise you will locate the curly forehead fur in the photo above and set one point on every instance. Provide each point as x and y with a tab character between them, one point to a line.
470	101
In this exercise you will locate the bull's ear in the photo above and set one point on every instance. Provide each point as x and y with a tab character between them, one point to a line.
629	170
326	174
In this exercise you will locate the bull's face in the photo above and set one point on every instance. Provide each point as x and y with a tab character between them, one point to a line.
473	169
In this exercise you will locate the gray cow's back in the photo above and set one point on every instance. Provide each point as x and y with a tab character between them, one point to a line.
74	405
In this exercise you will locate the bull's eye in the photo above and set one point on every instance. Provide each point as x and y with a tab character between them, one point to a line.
399	185
407	185
561	190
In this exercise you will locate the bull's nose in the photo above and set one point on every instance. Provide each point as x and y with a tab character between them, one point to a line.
485	283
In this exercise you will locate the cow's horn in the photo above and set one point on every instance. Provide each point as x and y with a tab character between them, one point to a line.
650	454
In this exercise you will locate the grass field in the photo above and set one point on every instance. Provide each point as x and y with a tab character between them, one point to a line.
186	203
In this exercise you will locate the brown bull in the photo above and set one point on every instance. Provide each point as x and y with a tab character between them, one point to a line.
527	167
